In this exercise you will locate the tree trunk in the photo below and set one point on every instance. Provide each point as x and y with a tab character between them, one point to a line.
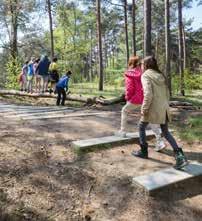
167	43
134	26
51	28
99	38
14	27
181	70
157	46
147	28
126	29
184	48
91	55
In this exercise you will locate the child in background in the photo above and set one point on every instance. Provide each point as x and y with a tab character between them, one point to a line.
30	76
134	98
37	76
23	77
62	88
54	75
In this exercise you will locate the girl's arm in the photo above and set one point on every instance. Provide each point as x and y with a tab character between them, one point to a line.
148	94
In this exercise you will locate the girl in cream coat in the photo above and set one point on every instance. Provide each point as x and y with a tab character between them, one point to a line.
155	109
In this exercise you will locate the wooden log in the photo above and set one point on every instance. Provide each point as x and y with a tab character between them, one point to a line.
88	100
78	98
179	103
115	100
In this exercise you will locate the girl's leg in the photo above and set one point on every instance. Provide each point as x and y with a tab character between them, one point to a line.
180	158
24	84
31	85
168	136
21	85
59	96
63	97
46	78
28	86
159	140
142	134
39	84
129	107
143	152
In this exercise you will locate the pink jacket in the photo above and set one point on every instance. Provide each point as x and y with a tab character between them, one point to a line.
133	86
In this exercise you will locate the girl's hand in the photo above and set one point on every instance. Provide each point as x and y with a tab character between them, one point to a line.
144	112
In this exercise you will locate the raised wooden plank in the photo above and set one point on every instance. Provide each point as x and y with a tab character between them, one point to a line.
169	176
110	140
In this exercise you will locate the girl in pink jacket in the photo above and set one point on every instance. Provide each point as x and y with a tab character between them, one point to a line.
134	98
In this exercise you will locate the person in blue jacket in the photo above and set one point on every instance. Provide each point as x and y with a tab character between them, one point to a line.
62	88
42	71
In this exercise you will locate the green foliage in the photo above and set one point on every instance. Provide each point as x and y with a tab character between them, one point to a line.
91	89
13	69
192	129
114	77
192	81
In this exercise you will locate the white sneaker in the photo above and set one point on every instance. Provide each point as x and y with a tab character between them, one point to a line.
120	133
160	145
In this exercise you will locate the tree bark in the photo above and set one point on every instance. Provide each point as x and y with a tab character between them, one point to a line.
134	26
184	48
99	38
167	44
51	28
14	27
126	30
157	46
147	28
181	70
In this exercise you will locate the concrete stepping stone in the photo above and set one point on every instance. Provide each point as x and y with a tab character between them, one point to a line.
108	141
39	113
166	177
64	115
22	111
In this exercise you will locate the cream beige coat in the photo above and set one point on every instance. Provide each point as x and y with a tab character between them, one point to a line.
155	105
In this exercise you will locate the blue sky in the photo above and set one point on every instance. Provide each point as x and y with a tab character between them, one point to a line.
196	13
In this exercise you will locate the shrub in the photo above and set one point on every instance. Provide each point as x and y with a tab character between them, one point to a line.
192	81
114	77
13	69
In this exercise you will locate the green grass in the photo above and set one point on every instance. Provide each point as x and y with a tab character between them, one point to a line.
91	90
191	130
194	97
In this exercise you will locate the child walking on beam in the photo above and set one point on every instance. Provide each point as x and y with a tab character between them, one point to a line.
62	88
155	109
134	98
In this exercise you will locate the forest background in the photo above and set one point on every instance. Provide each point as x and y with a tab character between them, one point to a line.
70	30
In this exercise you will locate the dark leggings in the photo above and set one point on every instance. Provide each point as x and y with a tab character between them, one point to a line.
61	91
165	133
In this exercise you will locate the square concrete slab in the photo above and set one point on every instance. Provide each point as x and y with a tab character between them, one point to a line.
166	177
110	140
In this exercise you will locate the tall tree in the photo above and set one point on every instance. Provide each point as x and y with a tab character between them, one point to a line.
51	27
147	28
99	38
134	26
180	39
184	48
167	43
126	28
